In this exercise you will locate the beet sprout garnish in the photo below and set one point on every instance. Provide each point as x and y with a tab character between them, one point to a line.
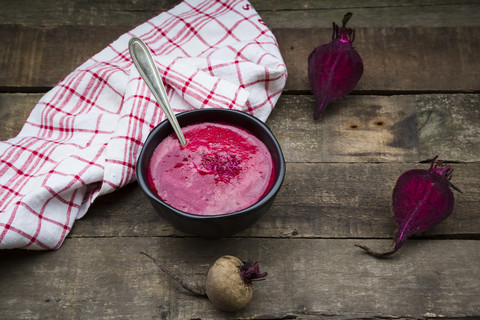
224	165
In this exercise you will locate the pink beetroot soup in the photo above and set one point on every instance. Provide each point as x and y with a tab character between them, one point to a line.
222	169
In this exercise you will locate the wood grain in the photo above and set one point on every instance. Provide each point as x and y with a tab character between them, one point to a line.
276	13
400	128
418	97
107	278
349	161
316	201
14	110
395	59
42	56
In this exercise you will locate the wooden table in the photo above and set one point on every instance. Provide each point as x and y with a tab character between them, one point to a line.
418	97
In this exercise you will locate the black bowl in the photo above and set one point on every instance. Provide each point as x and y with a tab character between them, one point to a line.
218	225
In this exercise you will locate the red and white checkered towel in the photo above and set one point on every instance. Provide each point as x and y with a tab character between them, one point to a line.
82	138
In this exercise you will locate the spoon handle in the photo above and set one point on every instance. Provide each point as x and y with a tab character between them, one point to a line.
143	61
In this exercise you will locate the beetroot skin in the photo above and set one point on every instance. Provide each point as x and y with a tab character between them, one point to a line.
228	284
421	199
334	68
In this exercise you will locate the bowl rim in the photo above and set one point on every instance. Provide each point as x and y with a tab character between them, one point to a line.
142	180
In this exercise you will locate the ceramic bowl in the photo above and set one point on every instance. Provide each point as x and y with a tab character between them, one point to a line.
217	225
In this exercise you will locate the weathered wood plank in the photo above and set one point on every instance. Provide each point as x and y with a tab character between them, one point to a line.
65	12
42	56
277	13
403	46
407	128
317	200
14	109
337	191
403	128
371	128
328	5
378	15
343	201
449	127
395	59
308	279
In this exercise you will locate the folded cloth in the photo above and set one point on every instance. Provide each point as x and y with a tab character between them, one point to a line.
82	138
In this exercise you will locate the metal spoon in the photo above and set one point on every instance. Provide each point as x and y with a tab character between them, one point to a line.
143	61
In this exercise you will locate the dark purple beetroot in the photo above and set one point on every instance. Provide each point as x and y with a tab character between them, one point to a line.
334	68
421	199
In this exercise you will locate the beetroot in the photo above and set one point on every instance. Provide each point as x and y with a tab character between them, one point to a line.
228	283
421	199
334	68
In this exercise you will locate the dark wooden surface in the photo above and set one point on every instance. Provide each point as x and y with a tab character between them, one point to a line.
419	97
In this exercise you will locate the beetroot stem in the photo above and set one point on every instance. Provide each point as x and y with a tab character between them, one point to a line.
345	19
194	288
377	254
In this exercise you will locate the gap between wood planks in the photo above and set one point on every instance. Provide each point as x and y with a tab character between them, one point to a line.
292	237
287	92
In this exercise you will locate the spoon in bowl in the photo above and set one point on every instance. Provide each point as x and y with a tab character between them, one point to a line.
143	61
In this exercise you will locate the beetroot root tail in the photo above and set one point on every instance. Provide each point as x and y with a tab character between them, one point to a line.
191	287
377	254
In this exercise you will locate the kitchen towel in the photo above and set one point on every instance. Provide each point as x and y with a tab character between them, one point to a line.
83	137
